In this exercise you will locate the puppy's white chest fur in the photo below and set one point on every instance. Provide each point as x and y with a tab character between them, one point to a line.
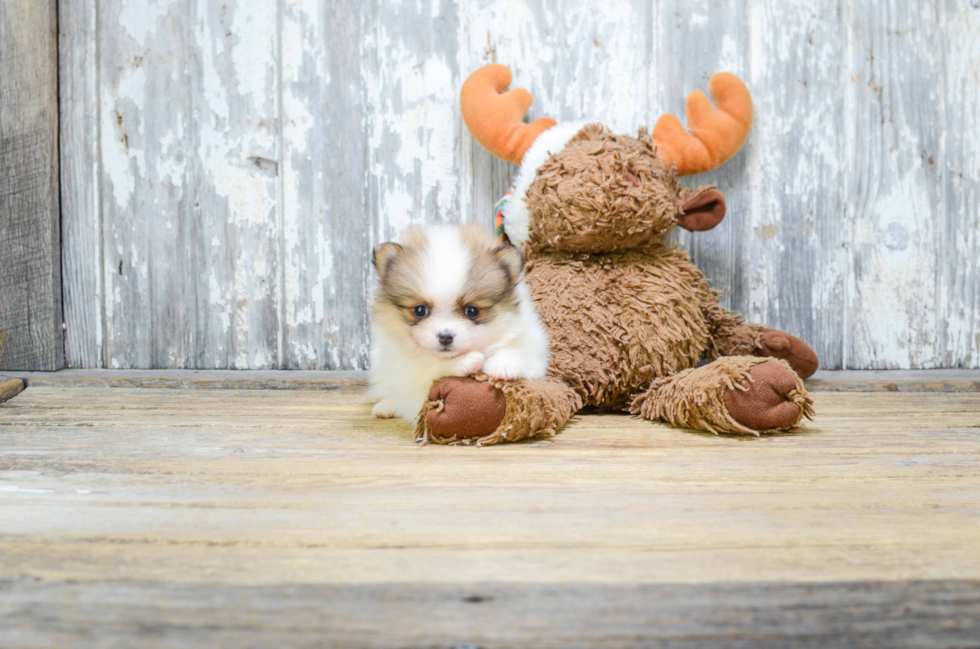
451	301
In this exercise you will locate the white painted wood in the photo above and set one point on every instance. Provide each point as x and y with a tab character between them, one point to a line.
960	230
81	213
246	245
791	256
188	115
893	191
327	229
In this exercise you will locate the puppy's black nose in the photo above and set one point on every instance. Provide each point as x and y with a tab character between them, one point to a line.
445	338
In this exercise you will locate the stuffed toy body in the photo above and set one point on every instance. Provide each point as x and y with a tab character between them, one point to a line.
629	317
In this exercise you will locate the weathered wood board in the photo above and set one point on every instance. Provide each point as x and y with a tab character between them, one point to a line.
229	165
10	388
189	486
898	615
31	336
135	517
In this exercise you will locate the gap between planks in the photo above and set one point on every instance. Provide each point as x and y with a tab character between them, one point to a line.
822	381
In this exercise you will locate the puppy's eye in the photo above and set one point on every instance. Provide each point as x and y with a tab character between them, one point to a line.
471	312
420	311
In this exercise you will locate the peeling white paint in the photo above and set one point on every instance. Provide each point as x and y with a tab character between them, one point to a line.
230	174
411	137
140	19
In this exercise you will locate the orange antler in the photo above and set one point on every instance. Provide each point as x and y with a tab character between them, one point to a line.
495	119
715	133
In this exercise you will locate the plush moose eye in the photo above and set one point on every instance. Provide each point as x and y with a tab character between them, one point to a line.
471	312
420	311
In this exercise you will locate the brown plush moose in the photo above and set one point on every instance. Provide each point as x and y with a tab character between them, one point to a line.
629	317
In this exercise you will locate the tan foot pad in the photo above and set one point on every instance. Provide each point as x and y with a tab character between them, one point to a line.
467	408
770	403
787	347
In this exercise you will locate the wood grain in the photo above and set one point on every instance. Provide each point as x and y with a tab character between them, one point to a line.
929	615
894	184
328	233
960	230
31	336
189	162
794	258
192	517
10	388
190	486
272	144
83	266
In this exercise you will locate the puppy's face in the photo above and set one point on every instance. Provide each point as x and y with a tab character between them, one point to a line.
449	290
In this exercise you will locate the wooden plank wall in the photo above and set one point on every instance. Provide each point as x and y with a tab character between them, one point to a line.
200	234
31	336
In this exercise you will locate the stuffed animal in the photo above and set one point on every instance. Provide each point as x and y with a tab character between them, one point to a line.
628	315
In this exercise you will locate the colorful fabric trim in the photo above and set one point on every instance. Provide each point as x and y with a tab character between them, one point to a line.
498	229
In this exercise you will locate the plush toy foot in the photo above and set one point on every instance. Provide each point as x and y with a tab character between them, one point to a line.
482	411
768	401
784	346
741	395
469	408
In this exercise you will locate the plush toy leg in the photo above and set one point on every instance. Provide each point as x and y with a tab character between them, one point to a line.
732	337
735	394
779	344
479	410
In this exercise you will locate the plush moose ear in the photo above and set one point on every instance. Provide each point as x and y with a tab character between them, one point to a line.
511	259
701	209
383	255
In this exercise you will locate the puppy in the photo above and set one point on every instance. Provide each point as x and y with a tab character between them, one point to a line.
451	301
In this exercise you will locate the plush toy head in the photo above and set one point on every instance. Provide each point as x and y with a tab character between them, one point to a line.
584	189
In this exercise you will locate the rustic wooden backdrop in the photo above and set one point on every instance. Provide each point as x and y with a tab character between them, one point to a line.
30	247
227	165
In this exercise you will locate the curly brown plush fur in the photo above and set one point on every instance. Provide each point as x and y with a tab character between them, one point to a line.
624	308
619	320
695	398
602	193
629	316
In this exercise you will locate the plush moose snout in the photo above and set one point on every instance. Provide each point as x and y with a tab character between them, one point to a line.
701	209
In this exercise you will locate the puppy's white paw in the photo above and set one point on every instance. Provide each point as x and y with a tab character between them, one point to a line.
504	366
383	410
469	364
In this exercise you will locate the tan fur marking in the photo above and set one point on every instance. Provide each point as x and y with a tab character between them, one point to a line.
383	255
399	284
491	278
402	278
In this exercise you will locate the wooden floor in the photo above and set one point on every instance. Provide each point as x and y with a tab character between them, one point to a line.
175	518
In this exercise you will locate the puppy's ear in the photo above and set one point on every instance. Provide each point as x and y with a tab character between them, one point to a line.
383	256
511	260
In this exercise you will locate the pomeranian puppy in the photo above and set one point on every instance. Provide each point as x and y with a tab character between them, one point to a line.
451	301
